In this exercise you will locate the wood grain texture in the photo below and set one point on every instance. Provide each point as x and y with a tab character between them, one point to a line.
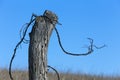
39	39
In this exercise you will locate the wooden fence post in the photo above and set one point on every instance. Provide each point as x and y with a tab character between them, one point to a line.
39	39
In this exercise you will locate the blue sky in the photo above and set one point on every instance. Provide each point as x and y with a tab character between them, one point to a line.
97	19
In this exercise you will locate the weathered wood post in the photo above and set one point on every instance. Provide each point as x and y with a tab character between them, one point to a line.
39	39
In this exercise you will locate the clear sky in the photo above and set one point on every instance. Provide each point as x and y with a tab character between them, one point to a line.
97	19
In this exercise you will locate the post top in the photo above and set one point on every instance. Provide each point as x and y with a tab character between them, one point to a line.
51	16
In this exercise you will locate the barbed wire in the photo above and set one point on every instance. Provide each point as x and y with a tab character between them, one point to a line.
23	32
90	47
57	73
15	49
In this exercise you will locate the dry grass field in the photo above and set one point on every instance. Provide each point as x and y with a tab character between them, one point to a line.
23	75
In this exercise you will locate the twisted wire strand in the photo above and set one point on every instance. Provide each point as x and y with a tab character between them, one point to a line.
22	31
16	47
90	47
57	73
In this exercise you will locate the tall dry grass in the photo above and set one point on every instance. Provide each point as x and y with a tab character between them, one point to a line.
23	75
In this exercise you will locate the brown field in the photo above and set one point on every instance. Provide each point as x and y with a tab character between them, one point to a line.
23	75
